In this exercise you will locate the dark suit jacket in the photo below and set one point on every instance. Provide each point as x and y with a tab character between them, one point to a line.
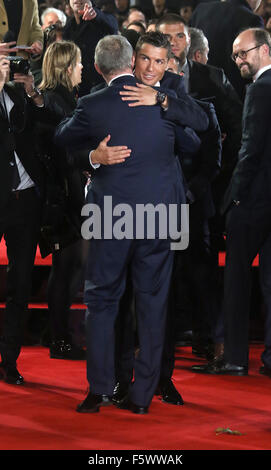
210	83
22	118
150	174
221	22
251	180
86	35
200	170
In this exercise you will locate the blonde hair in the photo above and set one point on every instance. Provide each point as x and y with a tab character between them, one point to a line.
59	56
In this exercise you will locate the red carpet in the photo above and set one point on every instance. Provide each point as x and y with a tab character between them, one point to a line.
41	414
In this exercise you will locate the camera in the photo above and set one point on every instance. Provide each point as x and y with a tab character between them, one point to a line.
18	65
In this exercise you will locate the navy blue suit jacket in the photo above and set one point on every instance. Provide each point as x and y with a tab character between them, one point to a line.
150	174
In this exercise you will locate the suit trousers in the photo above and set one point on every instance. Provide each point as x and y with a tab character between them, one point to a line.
248	228
150	262
19	223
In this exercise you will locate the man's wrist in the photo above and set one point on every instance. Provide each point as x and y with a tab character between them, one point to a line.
94	163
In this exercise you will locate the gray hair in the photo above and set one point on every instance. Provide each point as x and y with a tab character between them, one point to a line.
199	42
113	54
61	15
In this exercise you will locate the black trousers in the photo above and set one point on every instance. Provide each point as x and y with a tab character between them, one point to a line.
248	233
19	224
65	277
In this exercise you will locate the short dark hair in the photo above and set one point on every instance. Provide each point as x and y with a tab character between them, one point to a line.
156	39
171	18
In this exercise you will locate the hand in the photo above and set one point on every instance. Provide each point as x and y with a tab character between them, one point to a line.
142	95
6	47
88	13
27	80
4	70
109	155
36	48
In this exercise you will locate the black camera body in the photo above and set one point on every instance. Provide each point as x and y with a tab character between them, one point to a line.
18	65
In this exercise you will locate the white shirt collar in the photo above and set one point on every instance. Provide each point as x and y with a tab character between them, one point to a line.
261	71
118	76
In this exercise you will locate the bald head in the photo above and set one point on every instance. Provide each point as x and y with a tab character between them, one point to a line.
251	51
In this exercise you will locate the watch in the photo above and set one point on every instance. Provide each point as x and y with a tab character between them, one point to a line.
160	97
36	93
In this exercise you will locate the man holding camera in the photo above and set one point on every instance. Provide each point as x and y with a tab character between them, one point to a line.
20	205
20	23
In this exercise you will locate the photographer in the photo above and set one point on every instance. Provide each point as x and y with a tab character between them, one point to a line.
20	20
21	187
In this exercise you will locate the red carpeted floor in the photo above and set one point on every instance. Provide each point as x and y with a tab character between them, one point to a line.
41	414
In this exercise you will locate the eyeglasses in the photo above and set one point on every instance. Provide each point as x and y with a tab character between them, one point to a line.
243	54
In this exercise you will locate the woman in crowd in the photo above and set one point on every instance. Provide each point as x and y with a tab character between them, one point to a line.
61	73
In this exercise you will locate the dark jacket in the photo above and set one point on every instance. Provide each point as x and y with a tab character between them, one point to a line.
65	181
22	118
86	35
200	170
251	180
221	22
210	83
150	175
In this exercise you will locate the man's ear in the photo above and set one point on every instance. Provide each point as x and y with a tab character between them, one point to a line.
97	69
197	56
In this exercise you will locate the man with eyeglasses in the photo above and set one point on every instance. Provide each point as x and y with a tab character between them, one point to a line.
248	201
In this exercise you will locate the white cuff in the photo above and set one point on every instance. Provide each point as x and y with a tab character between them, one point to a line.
94	165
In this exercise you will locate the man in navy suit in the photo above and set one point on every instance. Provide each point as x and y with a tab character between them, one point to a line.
150	175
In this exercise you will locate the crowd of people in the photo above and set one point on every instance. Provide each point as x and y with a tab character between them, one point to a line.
148	102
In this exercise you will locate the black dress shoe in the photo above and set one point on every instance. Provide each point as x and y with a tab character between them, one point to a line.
169	394
120	392
11	375
63	350
127	404
220	367
92	403
265	370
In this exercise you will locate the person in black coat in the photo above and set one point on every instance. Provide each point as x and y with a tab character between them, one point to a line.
209	83
221	22
21	192
86	28
64	197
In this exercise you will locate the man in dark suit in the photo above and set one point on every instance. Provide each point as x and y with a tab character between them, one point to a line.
221	22
86	28
149	175
206	82
20	208
248	227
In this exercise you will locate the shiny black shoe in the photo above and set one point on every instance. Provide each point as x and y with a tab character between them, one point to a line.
62	350
92	403
264	370
169	393
120	392
220	367
11	375
127	404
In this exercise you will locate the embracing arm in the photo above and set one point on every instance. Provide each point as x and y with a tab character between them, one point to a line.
182	109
